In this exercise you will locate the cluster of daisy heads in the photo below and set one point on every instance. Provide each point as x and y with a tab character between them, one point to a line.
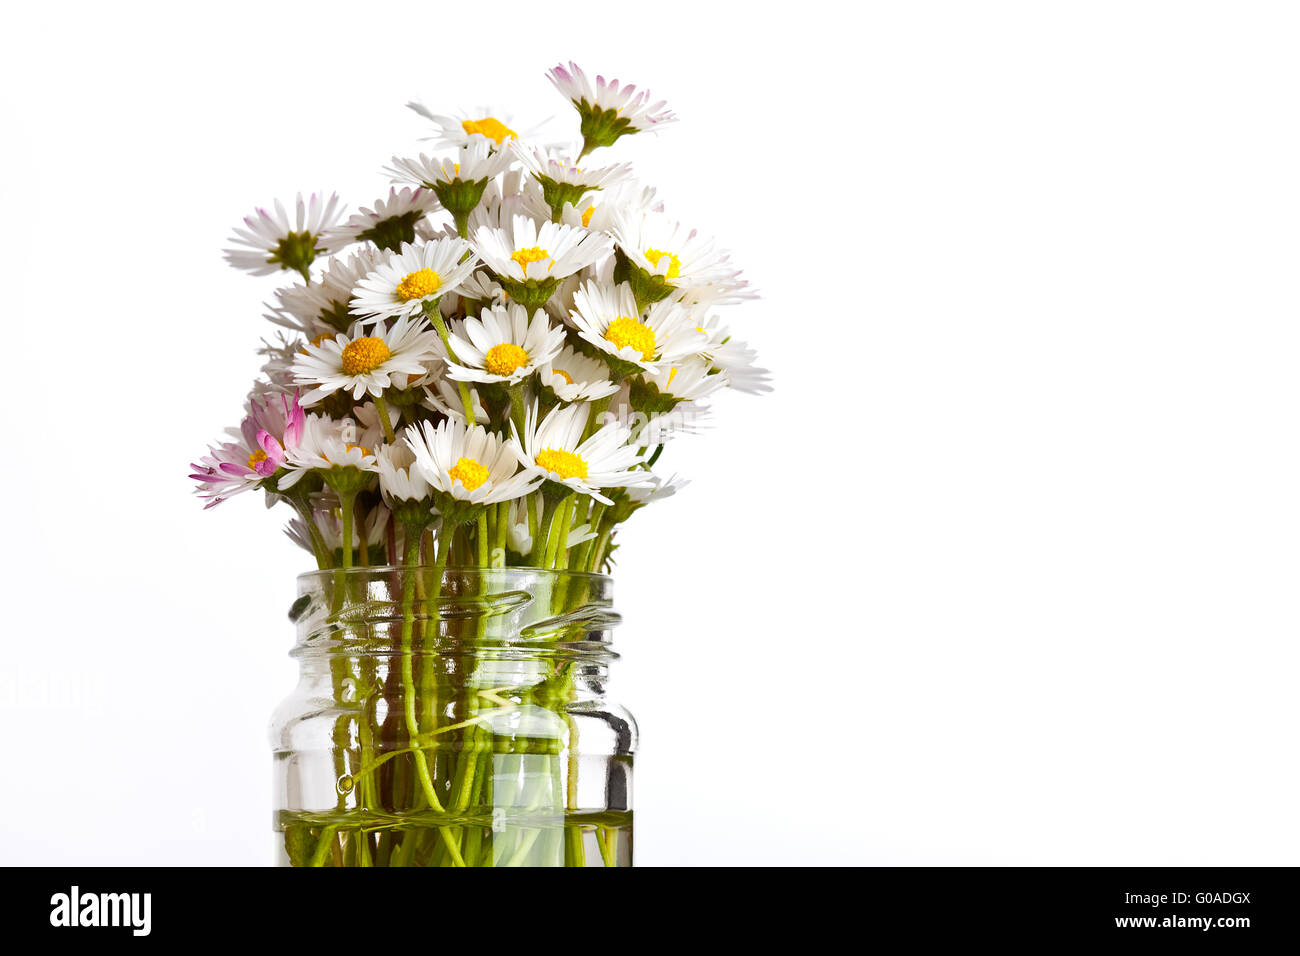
483	367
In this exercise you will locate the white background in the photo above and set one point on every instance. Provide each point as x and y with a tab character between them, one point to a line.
1003	572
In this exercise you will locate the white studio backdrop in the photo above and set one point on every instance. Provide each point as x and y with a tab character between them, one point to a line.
1002	572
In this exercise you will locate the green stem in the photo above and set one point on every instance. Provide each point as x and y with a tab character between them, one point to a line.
381	407
532	519
436	317
409	697
562	539
598	552
605	839
558	515
542	532
323	844
482	539
580	560
348	501
503	533
319	549
597	408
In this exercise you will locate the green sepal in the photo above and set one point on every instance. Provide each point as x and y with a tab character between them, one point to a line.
307	485
532	294
304	488
546	399
337	316
620	369
647	287
295	252
346	479
413	514
271	483
404	398
622	508
390	233
601	127
460	196
337	405
555	491
646	397
454	511
556	194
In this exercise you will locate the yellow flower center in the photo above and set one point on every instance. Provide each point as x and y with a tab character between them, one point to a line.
491	127
364	355
566	464
625	331
526	257
418	284
568	379
503	359
674	264
255	459
468	472
586	216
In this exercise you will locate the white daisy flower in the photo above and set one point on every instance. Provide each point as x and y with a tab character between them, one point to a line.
476	161
325	446
398	476
733	359
459	181
563	182
723	289
607	316
390	224
575	377
687	381
503	345
518	536
530	260
322	307
660	489
272	242
553	449
600	211
650	427
468	464
546	164
484	125
670	254
415	275
366	363
608	110
526	251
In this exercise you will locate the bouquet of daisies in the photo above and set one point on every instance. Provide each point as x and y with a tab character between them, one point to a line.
482	368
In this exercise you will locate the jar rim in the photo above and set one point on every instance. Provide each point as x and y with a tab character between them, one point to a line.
376	570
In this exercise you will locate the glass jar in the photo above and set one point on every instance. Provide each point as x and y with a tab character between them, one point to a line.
453	720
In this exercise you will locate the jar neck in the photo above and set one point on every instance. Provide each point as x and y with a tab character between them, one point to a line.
504	621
